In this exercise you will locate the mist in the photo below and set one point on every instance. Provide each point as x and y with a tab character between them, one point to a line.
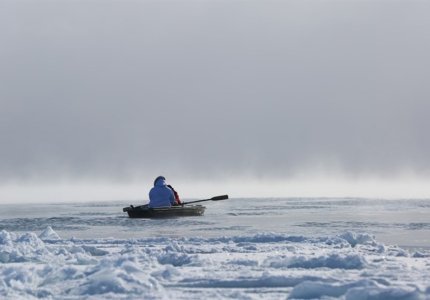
259	98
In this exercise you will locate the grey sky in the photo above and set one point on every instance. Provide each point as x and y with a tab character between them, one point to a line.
202	89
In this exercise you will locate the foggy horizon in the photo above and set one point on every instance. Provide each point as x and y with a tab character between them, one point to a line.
272	98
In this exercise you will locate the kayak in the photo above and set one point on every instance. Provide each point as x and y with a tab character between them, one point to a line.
183	210
143	211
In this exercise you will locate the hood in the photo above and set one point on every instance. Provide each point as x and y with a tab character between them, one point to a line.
159	181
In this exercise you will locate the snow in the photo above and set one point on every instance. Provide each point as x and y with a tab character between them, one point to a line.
292	248
268	265
49	234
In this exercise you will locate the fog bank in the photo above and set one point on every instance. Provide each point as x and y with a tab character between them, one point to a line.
214	91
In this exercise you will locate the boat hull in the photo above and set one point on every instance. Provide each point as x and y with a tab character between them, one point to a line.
144	211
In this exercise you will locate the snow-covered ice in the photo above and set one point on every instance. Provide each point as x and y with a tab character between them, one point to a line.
230	261
275	266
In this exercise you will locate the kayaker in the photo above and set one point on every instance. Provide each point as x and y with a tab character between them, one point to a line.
161	195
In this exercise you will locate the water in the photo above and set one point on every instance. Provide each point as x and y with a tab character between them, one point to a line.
404	222
319	248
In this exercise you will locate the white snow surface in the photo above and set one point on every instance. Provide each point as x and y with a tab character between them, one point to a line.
260	266
250	248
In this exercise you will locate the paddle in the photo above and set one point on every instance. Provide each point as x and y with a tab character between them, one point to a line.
216	198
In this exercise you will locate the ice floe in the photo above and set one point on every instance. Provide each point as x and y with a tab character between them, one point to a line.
267	265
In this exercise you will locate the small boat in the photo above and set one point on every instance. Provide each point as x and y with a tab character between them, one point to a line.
143	211
183	210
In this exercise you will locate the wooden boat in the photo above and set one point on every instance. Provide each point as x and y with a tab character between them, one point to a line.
143	211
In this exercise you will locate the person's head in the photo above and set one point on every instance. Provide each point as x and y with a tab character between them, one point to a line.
160	179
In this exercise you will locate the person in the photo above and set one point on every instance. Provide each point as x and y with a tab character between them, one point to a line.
175	193
161	195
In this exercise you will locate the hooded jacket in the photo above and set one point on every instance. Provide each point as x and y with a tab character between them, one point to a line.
160	195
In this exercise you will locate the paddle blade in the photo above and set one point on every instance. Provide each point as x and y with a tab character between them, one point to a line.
216	198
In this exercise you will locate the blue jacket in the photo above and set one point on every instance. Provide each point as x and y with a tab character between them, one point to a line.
160	195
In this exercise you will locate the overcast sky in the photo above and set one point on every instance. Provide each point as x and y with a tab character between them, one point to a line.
119	90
